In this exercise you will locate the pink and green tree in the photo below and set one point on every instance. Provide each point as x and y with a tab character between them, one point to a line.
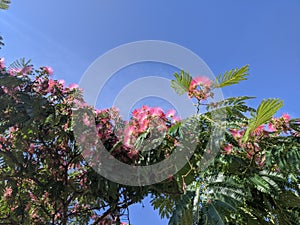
45	179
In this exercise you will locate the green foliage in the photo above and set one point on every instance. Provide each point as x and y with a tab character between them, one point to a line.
256	183
4	4
182	214
20	64
182	83
232	108
1	41
164	205
264	113
231	77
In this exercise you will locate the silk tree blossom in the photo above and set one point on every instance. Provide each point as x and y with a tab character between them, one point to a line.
14	71
259	130
237	134
48	70
73	86
200	88
200	81
175	119
271	127
156	111
8	192
280	124
228	148
2	65
286	117
171	113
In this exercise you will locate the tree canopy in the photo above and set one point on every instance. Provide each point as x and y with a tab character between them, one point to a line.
46	179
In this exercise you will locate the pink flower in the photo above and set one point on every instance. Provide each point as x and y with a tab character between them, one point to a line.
73	86
51	84
271	127
27	207
259	130
7	192
143	125
235	133
48	70
157	111
32	196
14	71
171	113
87	120
133	153
286	117
31	148
26	70
175	119
228	148
1	63
61	82
200	81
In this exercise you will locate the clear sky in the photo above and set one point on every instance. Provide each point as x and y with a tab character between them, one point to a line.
70	35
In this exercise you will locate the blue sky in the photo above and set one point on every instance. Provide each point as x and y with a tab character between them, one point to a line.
70	35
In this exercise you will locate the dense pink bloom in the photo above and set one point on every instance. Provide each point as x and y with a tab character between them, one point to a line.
133	153
286	117
143	125
61	82
171	113
26	70
27	207
228	148
51	84
235	133
259	130
156	111
87	120
73	86
200	88
32	196
1	63
271	127
7	192
200	81
175	119
14	71
48	70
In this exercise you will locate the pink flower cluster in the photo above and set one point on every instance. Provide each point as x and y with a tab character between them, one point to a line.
8	192
2	65
200	88
48	70
275	127
147	118
280	124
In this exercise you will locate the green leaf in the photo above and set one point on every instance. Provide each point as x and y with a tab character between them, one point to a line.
231	77
1	41
20	64
182	213
264	113
214	216
4	4
182	83
164	205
